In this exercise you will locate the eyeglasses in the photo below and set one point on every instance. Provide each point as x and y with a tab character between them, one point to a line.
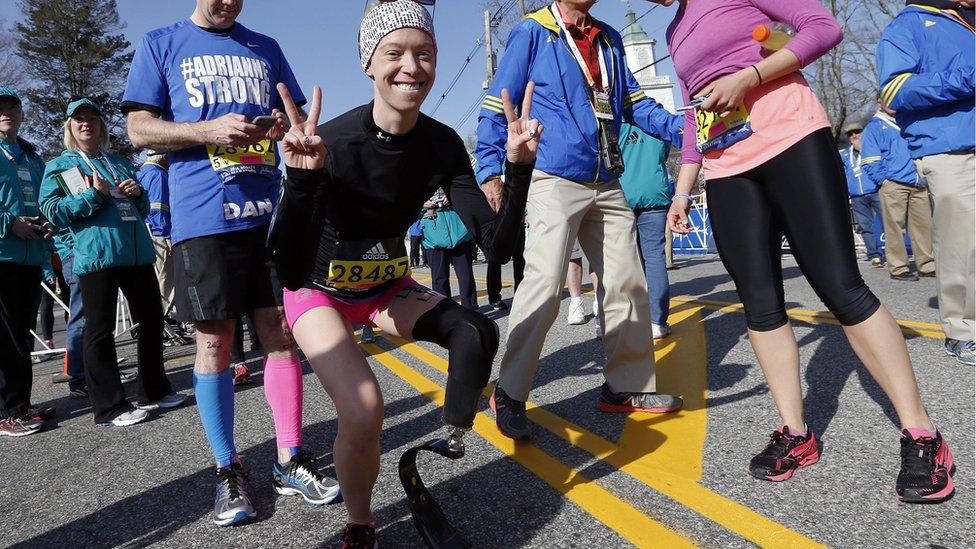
370	4
853	132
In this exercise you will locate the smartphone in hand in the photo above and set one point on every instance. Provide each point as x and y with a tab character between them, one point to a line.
266	122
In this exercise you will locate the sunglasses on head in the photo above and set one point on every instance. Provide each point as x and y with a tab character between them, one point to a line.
853	132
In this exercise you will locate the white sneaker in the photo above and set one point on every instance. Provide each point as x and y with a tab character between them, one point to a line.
659	331
129	418
171	400
576	314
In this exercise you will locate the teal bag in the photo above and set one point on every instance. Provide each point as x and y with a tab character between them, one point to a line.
445	231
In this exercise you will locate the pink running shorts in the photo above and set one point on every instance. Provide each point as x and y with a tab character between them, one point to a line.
356	311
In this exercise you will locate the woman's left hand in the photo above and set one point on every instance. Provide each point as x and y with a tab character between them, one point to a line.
728	92
130	188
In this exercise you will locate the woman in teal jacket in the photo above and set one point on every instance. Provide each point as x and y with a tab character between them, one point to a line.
113	251
24	248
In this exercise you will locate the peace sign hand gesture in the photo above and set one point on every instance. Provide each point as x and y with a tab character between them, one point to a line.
302	147
523	132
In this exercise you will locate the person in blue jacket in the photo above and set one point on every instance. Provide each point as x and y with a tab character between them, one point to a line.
24	250
417	257
583	90
925	73
112	251
153	176
645	184
885	160
865	203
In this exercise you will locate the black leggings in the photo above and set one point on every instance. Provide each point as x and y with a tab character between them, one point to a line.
801	193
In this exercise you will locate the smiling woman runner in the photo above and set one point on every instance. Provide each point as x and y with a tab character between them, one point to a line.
354	187
772	170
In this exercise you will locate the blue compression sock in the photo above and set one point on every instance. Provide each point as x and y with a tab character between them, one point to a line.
215	401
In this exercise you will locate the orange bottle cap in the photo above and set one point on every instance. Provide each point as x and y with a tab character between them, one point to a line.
761	33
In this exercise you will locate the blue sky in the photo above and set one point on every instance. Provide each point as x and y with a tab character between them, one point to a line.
319	40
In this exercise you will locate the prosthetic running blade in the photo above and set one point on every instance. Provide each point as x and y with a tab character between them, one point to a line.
428	516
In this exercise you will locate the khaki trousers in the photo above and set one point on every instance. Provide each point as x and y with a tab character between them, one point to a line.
951	179
164	271
559	212
898	203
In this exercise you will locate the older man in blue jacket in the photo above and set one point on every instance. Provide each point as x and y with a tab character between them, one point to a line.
925	70
865	203
886	162
583	92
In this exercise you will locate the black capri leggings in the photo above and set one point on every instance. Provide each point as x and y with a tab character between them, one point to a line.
801	193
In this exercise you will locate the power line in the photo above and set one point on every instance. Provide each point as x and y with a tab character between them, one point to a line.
639	18
651	64
457	76
502	9
473	108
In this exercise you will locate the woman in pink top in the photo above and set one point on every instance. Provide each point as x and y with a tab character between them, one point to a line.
772	170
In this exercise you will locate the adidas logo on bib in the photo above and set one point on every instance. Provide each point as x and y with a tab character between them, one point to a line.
376	252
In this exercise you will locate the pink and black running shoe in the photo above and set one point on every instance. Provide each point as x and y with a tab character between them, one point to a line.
784	454
926	469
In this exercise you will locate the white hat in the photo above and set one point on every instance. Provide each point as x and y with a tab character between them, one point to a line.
388	17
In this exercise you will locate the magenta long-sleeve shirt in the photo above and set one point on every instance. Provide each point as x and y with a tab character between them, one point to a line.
712	38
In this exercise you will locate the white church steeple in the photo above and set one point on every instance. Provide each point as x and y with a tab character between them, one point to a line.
639	48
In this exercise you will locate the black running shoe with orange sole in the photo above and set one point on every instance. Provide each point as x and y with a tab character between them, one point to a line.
784	454
926	469
509	415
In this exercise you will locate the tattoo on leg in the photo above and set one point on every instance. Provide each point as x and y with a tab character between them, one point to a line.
421	293
213	345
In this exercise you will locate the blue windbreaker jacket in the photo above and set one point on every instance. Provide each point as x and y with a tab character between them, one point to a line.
925	71
857	184
154	179
884	153
537	51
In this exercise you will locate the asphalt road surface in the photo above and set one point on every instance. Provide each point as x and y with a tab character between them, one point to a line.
586	479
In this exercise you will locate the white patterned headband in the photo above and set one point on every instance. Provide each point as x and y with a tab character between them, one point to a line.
387	17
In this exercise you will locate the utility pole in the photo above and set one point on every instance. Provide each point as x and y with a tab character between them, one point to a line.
489	51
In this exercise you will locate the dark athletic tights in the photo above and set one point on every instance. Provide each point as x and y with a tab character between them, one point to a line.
800	193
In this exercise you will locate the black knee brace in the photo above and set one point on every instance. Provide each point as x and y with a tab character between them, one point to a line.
471	340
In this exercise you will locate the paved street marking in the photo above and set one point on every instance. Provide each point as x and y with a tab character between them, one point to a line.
611	510
908	327
663	452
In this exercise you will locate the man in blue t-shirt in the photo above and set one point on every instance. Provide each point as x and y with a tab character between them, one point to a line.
204	90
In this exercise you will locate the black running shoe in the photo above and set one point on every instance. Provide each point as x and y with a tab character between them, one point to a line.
359	536
509	415
784	454
41	412
926	469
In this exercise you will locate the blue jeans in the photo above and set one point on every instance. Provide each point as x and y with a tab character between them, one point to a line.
867	212
650	235
75	329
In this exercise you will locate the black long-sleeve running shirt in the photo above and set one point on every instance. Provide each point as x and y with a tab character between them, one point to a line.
374	186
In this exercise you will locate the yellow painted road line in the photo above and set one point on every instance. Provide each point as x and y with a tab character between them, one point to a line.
655	450
909	327
618	514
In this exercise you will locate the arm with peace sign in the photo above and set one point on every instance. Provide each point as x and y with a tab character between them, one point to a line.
302	147
523	131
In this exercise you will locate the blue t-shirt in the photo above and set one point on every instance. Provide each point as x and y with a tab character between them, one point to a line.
189	74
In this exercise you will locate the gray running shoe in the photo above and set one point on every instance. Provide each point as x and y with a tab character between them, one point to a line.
125	419
171	400
232	506
299	477
655	403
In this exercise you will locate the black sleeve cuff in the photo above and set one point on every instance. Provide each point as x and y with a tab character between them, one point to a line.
303	181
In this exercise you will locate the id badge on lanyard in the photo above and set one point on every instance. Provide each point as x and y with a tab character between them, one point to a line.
127	210
27	192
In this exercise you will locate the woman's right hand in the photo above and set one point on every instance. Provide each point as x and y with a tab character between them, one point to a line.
302	147
96	182
678	215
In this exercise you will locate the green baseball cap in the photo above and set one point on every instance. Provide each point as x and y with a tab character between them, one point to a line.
83	102
10	92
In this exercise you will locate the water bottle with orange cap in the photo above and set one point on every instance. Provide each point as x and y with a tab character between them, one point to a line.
774	36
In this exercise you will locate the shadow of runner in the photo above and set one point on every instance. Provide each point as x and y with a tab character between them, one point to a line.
153	515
